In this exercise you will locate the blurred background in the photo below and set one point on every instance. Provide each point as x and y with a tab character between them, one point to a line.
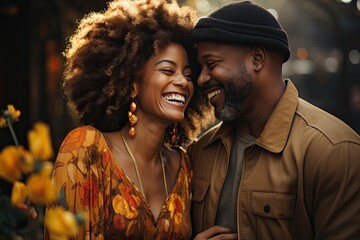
324	65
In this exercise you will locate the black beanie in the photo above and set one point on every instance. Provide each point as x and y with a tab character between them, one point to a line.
243	23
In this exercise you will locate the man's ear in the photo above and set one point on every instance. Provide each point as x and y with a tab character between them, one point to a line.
259	57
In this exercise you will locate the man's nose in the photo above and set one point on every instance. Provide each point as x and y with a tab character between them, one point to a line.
203	78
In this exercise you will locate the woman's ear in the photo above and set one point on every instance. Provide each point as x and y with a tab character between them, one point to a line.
259	57
134	90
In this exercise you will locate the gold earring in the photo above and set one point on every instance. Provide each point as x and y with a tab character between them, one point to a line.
132	119
173	134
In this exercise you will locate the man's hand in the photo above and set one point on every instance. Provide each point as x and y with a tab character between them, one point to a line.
216	233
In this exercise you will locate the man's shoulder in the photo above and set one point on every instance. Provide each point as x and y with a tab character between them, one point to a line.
321	122
208	134
205	138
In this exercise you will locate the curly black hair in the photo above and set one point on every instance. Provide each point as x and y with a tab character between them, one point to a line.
105	54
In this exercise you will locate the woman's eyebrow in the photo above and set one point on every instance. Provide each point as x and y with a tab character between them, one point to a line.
165	60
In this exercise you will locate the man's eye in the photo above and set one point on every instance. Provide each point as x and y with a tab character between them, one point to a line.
188	77
210	65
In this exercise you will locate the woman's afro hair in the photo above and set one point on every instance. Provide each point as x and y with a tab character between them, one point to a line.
107	53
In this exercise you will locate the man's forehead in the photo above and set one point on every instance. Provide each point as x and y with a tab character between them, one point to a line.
219	48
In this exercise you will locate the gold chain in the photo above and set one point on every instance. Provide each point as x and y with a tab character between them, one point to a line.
163	173
137	170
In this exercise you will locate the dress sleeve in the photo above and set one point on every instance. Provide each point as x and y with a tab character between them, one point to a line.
77	180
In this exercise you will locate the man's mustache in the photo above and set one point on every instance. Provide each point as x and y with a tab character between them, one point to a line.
210	85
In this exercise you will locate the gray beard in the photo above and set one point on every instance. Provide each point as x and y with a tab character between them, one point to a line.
235	95
232	109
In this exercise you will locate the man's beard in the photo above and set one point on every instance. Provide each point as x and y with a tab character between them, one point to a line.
236	91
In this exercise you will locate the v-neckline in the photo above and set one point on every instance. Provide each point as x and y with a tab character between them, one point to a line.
137	190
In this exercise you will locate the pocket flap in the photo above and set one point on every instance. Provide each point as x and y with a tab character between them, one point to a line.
272	205
200	189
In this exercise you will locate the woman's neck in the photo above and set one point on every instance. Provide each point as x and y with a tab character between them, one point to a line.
147	143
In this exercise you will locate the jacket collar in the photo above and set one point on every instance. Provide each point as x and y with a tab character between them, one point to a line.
225	132
277	128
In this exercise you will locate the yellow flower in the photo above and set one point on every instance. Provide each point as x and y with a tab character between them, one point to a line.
60	223
40	189
18	193
46	168
3	122
121	206
10	114
40	141
14	114
10	164
176	207
27	163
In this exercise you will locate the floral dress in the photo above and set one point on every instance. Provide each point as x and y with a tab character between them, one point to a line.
94	184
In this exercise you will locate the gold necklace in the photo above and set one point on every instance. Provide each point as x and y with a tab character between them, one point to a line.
137	170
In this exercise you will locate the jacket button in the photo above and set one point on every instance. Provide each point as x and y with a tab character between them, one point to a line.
267	208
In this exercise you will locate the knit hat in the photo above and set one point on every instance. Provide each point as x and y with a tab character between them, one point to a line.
243	23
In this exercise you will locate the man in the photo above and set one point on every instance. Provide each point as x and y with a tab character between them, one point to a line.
276	167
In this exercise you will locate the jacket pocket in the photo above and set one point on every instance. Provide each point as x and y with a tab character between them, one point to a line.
200	189
272	205
199	202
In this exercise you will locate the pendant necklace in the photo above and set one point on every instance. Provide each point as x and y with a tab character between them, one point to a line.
137	170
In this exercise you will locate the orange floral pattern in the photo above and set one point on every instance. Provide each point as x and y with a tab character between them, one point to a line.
93	183
89	192
176	207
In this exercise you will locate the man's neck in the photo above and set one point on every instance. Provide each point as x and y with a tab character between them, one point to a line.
254	121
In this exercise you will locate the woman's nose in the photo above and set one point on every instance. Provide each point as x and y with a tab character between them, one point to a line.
181	81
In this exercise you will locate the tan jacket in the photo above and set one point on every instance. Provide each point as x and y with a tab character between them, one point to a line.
300	180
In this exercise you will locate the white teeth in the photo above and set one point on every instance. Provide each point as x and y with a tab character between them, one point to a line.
175	97
213	93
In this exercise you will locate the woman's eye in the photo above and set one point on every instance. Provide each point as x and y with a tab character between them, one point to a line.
167	71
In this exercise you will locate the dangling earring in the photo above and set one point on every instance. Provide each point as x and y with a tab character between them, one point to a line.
132	119
173	134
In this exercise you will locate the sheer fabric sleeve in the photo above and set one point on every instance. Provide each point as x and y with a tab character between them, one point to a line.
77	180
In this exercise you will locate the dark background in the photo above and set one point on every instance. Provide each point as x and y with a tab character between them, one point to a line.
324	65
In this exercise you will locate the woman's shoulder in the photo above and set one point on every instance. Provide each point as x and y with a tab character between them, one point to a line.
83	136
84	128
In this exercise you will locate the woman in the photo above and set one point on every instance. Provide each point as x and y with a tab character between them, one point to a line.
128	78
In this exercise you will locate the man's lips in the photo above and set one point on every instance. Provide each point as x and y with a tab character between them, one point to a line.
211	90
213	93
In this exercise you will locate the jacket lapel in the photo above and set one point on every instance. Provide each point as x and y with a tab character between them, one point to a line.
277	129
